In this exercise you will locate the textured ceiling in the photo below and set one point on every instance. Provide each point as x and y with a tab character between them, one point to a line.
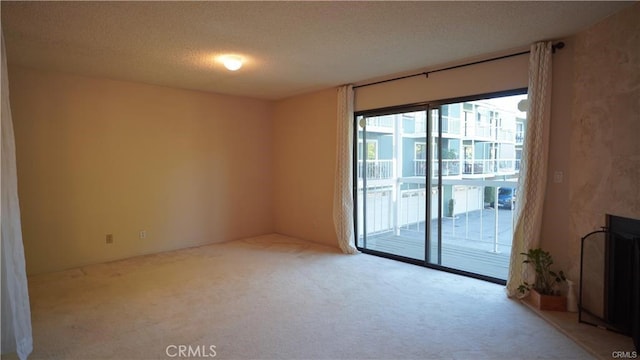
290	47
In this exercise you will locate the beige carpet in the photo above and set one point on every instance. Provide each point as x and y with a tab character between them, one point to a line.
274	297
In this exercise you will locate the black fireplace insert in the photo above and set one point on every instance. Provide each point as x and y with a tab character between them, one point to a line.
610	277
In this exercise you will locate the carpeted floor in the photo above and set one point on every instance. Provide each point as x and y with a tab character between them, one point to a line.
275	297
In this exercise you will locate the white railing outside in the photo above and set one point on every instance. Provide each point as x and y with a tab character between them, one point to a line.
480	167
506	165
420	167
450	126
412	206
379	210
450	167
411	210
376	169
420	126
505	134
383	122
478	131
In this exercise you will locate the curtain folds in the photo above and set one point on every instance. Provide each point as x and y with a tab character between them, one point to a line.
533	177
16	315
343	190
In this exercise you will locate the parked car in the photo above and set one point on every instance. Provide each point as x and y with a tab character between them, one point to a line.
506	198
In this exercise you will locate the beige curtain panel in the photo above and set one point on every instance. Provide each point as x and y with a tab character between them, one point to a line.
343	190
533	178
16	314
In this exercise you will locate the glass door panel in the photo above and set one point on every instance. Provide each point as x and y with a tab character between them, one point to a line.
391	183
479	177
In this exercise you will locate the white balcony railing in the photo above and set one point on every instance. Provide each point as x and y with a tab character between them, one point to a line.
419	167
452	167
381	122
409	212
420	126
506	165
450	126
483	167
376	169
411	209
479	131
505	134
477	167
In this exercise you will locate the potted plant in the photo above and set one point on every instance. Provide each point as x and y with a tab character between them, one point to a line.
490	195
544	292
452	204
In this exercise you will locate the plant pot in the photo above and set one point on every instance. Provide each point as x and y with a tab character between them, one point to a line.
548	302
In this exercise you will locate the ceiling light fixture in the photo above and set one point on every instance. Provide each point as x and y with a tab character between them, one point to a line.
232	62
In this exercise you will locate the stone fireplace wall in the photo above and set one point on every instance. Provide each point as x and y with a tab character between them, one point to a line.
605	127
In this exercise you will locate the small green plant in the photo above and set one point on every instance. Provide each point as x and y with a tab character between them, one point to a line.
490	195
452	204
449	154
546	279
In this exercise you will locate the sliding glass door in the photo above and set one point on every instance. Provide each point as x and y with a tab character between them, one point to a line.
391	190
437	185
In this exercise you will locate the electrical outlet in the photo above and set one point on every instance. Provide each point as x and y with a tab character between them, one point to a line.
142	234
109	238
558	177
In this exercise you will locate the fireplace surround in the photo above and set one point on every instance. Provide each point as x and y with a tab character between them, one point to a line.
610	277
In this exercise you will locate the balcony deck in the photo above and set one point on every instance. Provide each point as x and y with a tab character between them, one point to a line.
484	262
466	244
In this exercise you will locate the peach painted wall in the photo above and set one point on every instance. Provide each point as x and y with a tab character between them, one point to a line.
555	218
97	156
304	166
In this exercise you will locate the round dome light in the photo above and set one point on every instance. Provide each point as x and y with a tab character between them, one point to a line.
232	63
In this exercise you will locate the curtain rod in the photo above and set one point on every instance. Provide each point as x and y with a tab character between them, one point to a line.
558	46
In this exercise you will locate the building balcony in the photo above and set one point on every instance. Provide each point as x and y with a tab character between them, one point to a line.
489	167
450	167
451	127
506	135
380	125
455	167
519	138
480	132
376	169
